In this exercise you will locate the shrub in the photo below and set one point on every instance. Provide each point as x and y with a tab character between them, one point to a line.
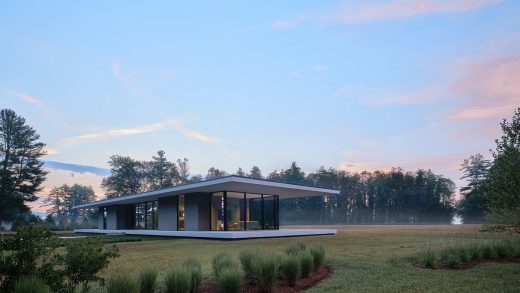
290	267
306	263
296	248
220	262
195	272
318	254
147	280
82	261
229	280
247	257
428	258
18	254
265	271
178	280
121	282
30	284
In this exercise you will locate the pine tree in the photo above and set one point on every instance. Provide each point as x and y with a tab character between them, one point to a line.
21	171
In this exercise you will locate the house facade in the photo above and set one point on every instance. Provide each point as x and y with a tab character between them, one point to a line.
227	204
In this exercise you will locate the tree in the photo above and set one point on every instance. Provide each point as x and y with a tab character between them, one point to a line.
127	176
240	172
61	200
162	174
472	206
503	188
21	171
183	170
255	173
215	173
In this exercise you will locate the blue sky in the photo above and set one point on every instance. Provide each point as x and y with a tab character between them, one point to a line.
350	84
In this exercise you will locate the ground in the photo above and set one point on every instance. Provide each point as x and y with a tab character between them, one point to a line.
365	258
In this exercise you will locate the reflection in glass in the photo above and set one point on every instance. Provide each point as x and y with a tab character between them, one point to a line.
180	213
269	212
217	211
235	211
254	211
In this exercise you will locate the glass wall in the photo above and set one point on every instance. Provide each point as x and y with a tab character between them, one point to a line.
180	213
217	211
146	215
269	212
238	211
254	211
105	215
235	211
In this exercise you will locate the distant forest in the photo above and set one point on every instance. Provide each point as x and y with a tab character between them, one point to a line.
393	197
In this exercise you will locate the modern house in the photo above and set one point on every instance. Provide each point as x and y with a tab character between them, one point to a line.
230	207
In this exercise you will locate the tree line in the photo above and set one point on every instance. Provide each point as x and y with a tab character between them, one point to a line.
390	197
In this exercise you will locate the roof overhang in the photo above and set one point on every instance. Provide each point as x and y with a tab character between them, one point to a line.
229	183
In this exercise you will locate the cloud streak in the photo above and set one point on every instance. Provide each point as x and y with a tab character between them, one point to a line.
120	132
384	11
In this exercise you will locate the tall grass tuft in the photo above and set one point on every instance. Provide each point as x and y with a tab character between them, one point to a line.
229	280
487	251
178	280
296	248
147	280
500	249
475	251
220	262
122	282
428	258
195	272
30	284
247	257
318	254
265	271
290	267
306	263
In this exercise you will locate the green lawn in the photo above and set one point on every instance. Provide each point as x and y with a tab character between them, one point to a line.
365	258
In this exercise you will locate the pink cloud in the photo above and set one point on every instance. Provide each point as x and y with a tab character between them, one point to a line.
385	11
492	89
398	9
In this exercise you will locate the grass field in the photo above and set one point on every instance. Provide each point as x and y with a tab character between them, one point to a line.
365	258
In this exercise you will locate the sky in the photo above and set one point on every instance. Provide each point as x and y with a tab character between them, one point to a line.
353	85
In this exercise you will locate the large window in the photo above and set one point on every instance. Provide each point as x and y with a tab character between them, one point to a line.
146	215
237	211
217	211
180	213
254	211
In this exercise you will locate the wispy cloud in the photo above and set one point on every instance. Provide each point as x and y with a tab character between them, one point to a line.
492	89
407	98
29	99
176	124
139	85
361	12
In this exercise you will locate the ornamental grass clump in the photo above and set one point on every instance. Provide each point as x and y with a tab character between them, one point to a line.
220	262
247	257
487	251
265	271
290	268
121	282
306	263
428	258
147	280
178	280
500	249
229	279
296	248
30	284
195	271
475	251
318	254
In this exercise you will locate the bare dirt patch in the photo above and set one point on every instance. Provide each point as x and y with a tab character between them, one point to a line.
248	286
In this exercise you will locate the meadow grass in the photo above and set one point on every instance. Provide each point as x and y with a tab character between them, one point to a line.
364	258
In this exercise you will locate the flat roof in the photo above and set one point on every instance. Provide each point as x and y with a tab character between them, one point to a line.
228	183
